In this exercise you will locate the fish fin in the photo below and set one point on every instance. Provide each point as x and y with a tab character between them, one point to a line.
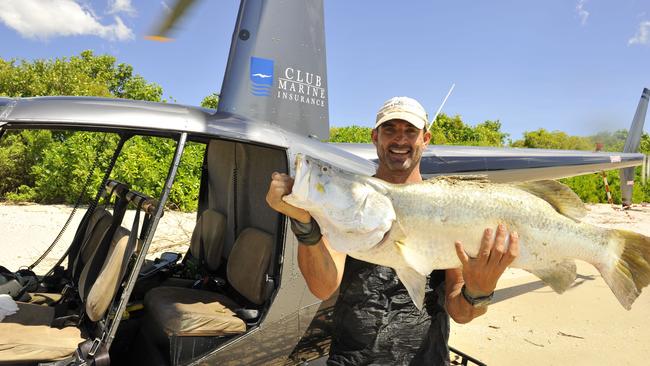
414	259
631	272
478	178
415	284
379	185
558	195
560	277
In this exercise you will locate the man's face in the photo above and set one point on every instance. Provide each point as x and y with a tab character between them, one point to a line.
399	144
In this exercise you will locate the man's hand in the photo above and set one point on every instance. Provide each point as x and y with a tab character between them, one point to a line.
281	185
482	273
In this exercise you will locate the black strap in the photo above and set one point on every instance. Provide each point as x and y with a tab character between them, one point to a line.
130	246
204	187
93	352
235	178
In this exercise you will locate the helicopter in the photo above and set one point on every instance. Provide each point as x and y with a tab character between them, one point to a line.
250	304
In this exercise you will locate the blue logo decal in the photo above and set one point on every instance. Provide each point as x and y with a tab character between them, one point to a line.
261	76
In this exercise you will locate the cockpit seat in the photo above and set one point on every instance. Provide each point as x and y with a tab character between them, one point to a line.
98	226
179	311
206	246
20	342
204	256
185	312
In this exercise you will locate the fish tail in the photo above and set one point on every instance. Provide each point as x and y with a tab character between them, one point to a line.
630	272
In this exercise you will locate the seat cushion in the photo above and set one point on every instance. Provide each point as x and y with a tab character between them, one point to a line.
207	239
31	314
105	286
248	264
187	312
32	343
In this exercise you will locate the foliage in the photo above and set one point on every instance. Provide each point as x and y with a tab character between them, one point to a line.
52	166
18	152
65	164
61	173
591	188
83	75
144	164
351	134
211	101
447	130
543	139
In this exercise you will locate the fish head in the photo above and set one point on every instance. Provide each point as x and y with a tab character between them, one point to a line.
352	211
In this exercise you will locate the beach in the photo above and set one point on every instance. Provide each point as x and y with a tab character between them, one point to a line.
527	323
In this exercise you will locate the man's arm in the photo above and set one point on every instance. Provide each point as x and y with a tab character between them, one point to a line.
322	268
320	265
479	275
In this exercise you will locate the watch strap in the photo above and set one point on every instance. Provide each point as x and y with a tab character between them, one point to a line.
476	300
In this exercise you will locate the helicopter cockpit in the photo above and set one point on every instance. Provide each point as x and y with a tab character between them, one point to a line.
178	306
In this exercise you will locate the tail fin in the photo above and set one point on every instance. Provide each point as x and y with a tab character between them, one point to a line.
632	146
276	68
631	272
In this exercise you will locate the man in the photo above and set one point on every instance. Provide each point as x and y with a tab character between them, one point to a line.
375	321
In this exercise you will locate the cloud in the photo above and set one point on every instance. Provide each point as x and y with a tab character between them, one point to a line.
121	6
43	19
582	13
642	36
165	7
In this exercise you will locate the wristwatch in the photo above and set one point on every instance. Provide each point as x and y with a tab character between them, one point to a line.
476	301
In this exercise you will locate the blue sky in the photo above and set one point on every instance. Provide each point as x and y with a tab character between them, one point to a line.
573	65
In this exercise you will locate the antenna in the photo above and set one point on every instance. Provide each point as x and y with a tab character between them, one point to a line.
442	105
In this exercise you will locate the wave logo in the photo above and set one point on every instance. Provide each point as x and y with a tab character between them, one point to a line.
261	76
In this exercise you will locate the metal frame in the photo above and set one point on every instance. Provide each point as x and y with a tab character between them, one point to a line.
133	276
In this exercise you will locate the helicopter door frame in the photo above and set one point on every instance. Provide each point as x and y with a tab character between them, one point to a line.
109	335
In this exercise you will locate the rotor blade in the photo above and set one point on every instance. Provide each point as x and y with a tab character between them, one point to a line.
176	12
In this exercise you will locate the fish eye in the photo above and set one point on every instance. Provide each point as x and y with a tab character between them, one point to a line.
324	169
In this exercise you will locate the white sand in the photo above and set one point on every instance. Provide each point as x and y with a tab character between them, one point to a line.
27	230
527	325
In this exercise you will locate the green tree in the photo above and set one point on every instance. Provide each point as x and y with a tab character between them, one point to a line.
51	166
211	101
447	130
19	151
351	134
612	141
543	139
83	75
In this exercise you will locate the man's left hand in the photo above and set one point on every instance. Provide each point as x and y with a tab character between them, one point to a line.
482	273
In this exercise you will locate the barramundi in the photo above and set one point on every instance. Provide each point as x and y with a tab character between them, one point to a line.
412	227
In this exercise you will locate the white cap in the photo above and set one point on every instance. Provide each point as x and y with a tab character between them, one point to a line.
404	108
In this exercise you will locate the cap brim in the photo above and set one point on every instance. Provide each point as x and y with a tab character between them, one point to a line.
406	116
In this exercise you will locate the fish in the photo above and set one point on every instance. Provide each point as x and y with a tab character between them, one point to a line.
412	227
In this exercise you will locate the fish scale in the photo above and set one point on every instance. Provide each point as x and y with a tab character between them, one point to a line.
412	227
